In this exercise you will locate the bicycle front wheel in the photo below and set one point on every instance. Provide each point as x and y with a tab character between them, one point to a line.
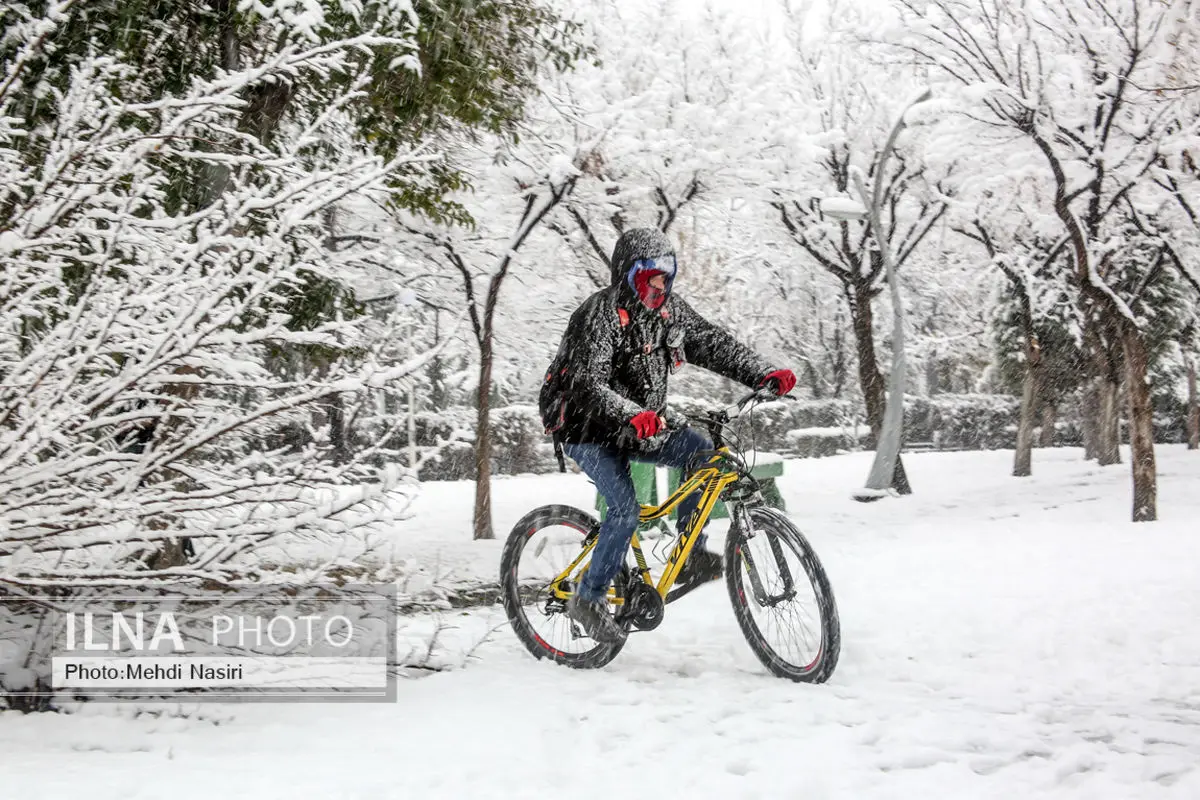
781	596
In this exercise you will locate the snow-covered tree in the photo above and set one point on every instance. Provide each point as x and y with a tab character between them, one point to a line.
1034	320
850	116
138	415
1079	81
478	262
665	124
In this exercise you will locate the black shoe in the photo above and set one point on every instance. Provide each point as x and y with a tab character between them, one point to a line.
596	621
702	566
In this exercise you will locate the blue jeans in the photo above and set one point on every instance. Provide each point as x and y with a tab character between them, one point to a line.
609	470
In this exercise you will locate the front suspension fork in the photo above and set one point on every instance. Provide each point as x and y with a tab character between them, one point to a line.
743	522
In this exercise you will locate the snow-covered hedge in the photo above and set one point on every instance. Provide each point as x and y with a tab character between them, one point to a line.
962	421
801	429
822	442
518	444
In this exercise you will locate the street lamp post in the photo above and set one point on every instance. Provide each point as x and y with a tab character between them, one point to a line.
887	449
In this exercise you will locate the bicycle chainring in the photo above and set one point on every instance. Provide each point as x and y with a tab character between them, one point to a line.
643	608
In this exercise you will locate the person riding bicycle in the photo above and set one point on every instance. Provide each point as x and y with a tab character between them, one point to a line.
604	398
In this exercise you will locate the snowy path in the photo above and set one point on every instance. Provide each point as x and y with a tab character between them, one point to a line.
1002	639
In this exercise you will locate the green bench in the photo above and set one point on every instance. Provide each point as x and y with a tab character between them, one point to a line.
768	467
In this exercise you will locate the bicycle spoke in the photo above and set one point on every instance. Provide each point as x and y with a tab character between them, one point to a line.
552	556
780	601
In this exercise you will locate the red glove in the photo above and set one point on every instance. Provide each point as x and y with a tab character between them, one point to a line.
646	423
784	381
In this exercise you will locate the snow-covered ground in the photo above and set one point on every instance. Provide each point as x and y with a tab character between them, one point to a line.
1001	638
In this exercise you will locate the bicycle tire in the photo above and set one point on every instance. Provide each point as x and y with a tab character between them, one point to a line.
771	523
515	606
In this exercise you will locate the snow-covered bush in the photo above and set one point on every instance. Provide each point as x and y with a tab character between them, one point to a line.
139	414
828	413
822	442
962	421
520	446
518	436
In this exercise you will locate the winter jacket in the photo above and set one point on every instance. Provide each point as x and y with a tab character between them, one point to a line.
614	360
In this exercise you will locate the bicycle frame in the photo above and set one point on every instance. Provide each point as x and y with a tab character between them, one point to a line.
714	480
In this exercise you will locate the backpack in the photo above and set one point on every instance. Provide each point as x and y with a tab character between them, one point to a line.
554	396
552	399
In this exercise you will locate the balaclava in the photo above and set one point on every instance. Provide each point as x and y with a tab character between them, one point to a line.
639	255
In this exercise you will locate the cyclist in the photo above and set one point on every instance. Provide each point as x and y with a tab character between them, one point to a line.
605	395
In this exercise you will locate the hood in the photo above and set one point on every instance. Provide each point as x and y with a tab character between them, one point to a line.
637	243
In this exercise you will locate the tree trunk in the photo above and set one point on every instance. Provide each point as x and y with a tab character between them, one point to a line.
1108	422
1193	406
1031	382
1049	420
412	426
336	411
1105	384
536	209
1089	413
214	176
932	375
1141	425
870	378
814	380
1116	329
266	103
172	552
483	443
1103	331
1023	458
900	477
839	357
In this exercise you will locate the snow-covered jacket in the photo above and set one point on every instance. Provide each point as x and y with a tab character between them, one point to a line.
615	358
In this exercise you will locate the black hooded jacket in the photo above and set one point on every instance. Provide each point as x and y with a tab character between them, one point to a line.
614	359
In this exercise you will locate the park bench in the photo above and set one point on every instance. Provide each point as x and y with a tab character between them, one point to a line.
767	467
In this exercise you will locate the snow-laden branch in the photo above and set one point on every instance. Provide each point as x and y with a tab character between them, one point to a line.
141	344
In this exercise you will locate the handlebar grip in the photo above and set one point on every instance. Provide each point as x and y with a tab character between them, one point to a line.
627	439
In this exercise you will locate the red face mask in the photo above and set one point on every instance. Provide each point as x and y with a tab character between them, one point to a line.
651	296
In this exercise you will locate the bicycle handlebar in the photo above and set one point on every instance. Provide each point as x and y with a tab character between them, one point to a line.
761	394
723	417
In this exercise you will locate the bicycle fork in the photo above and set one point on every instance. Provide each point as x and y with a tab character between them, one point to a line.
741	517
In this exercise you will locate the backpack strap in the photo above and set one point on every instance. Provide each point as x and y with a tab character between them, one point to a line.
558	453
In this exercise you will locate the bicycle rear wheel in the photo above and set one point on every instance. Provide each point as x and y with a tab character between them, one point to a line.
781	596
540	548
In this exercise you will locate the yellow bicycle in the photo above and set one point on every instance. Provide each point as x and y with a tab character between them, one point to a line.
780	593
